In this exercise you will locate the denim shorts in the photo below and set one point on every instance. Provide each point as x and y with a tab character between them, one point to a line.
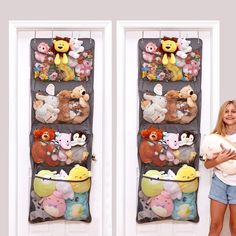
222	192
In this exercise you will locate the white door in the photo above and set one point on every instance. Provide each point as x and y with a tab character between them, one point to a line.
128	124
20	111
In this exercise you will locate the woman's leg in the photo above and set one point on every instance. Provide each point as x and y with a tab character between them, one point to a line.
232	221
217	217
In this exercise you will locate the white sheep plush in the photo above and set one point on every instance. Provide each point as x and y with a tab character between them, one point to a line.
212	144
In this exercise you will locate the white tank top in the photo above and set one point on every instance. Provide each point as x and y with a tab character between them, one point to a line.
227	179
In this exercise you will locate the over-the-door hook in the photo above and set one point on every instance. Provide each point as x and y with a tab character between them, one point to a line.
35	35
142	35
52	35
198	40
160	36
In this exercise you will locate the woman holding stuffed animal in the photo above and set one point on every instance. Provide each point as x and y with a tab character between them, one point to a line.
223	186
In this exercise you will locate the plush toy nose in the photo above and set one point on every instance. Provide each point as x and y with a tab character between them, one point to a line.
83	93
191	93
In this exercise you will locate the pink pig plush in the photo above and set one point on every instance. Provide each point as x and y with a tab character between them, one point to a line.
54	204
162	205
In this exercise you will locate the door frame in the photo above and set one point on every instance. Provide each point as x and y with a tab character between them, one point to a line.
122	27
14	115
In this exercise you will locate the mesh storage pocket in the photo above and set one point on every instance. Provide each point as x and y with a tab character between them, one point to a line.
60	194
168	196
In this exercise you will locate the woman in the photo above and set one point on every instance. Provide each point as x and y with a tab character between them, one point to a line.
223	188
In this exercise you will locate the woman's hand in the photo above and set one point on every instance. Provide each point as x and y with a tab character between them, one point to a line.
225	154
220	157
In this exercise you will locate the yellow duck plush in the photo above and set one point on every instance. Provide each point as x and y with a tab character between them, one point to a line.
188	174
82	175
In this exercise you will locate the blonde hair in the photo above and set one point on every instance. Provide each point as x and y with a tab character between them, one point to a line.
221	127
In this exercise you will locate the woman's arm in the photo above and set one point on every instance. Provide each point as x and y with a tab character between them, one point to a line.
224	155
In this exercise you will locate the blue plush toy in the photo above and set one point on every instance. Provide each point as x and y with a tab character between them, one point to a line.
185	208
77	208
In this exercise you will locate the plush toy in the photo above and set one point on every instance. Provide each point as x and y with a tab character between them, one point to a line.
79	93
46	108
212	144
183	47
79	150
151	51
186	153
63	186
44	187
171	140
61	47
42	53
185	208
146	213
63	143
188	179
150	185
186	138
65	115
149	148
162	204
43	147
154	106
191	68
171	186
169	47
54	204
175	71
39	212
76	48
66	73
172	115
187	93
82	175
189	109
83	70
77	208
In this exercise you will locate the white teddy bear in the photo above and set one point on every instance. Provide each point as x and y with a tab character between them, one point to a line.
46	108
76	48
212	144
154	106
183	48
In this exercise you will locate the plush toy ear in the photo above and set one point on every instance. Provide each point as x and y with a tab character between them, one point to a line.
50	89
158	89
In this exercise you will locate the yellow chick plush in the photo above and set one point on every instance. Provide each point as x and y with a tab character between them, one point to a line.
188	174
82	175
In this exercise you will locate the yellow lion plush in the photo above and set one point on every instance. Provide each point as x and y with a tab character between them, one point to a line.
169	47
61	47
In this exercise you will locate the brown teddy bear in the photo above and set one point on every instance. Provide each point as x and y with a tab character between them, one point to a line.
80	106
172	115
188	106
65	115
149	148
43	147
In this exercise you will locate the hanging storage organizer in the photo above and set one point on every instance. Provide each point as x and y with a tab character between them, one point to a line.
61	129
168	141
